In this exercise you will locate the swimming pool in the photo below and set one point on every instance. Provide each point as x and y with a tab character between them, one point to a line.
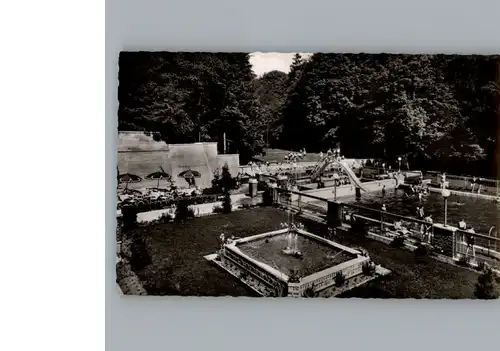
479	213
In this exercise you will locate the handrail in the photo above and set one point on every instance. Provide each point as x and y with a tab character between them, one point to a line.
464	177
380	212
478	235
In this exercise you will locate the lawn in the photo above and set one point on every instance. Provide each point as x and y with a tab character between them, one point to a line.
178	266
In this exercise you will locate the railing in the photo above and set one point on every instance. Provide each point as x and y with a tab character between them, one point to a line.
464	183
383	223
490	244
454	244
302	202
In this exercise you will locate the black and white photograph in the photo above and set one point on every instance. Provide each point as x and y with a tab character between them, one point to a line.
347	175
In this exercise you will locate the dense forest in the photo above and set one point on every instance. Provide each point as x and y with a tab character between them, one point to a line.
435	111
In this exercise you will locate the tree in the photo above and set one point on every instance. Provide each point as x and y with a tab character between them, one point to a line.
187	97
487	286
433	110
271	90
223	180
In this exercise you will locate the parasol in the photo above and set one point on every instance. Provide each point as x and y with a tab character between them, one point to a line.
128	178
161	174
189	175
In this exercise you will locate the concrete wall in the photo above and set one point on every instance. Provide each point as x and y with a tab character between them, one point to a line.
142	163
141	155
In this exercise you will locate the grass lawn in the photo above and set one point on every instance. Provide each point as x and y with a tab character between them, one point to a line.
410	277
178	266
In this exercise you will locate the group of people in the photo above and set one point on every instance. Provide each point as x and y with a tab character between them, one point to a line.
331	152
418	191
295	156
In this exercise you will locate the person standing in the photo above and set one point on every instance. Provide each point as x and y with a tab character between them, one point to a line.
462	225
420	212
470	242
428	229
384	209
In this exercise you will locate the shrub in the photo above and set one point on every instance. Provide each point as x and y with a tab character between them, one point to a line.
309	292
227	206
166	218
183	212
262	186
359	226
463	261
482	266
294	277
487	286
267	197
398	242
223	180
139	257
339	279
129	217
217	209
421	251
368	268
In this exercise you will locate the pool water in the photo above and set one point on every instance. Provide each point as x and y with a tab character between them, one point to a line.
479	213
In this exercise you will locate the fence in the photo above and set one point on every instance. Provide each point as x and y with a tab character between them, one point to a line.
385	224
486	186
300	202
447	240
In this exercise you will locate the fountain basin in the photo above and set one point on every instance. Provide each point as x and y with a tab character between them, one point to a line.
292	258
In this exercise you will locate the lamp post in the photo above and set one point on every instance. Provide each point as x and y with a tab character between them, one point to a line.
399	164
445	193
335	178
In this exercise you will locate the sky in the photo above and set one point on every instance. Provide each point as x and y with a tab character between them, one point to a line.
263	62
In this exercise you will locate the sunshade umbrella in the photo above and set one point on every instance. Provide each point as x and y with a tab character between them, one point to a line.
161	174
128	178
189	175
